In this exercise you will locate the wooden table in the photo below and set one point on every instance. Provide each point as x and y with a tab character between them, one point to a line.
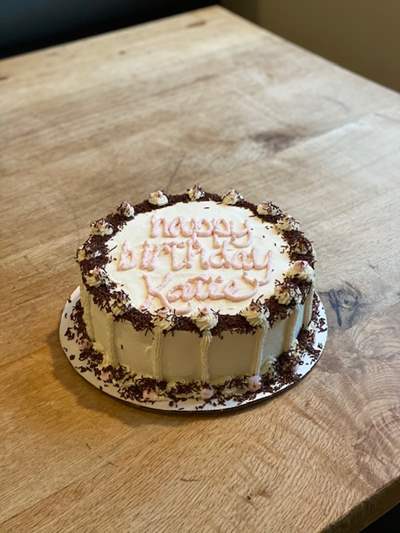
203	97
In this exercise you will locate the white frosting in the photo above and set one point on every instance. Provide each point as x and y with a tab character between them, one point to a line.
205	343
245	275
158	198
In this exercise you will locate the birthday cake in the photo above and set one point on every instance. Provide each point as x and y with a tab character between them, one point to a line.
194	295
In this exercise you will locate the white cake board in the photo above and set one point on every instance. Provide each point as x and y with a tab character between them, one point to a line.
71	347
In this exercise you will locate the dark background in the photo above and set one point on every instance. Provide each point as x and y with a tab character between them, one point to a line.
26	25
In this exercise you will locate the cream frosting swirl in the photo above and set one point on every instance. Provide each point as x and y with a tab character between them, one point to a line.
288	223
206	393
158	198
232	197
163	319
254	383
119	303
301	270
268	208
195	193
285	294
256	315
95	277
81	254
206	320
126	209
303	246
101	227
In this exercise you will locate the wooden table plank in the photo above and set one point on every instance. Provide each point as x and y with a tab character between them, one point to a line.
204	97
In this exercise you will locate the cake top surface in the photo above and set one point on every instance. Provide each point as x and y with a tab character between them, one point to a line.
191	256
197	261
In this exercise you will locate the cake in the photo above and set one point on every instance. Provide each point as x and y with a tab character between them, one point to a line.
194	295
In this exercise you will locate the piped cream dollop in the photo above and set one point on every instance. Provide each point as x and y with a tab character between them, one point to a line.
301	270
95	277
288	223
256	315
126	209
158	198
195	193
232	197
206	320
286	294
101	227
268	208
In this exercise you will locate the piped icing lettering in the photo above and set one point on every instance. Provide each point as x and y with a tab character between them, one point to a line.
205	244
126	259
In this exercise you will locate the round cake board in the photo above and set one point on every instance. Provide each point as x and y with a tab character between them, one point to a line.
71	347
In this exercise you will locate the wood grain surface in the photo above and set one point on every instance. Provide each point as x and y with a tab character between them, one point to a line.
203	97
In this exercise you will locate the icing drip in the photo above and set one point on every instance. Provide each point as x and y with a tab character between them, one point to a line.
163	321
87	311
109	356
206	320
205	342
303	271
156	349
308	308
258	350
290	329
257	317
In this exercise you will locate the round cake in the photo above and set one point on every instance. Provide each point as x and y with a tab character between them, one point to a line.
194	295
